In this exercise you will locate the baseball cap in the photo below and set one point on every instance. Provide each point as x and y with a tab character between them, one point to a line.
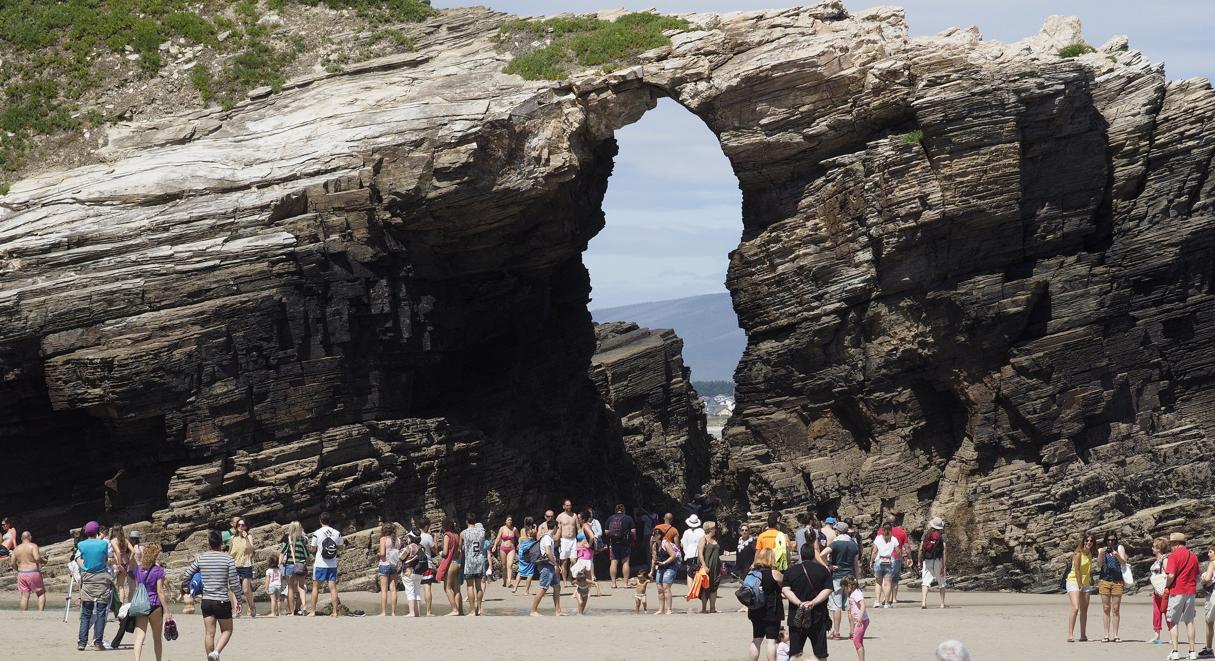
830	520
91	528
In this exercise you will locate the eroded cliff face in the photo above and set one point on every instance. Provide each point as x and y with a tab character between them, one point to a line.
667	447
366	293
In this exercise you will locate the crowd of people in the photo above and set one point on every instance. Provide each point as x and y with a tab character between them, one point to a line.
798	590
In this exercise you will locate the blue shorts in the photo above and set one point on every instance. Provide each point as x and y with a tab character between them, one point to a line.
291	569
324	574
548	577
244	572
665	575
386	570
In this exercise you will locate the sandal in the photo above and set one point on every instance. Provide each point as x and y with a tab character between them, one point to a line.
1071	640
1105	640
1117	640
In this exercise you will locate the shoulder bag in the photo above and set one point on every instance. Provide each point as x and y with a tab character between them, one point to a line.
804	617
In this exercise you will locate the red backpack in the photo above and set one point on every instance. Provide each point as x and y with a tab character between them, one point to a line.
931	546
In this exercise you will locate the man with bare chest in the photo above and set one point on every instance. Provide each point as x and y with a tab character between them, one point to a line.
567	522
27	560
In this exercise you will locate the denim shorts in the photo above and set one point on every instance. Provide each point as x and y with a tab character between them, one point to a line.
665	575
386	570
324	573
245	572
292	569
548	576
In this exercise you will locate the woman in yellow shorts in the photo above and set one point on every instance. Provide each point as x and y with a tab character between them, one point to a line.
1111	559
1080	584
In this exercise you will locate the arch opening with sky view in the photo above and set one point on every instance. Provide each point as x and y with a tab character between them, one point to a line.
672	212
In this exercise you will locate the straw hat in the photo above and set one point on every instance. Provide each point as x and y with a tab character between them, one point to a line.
1177	537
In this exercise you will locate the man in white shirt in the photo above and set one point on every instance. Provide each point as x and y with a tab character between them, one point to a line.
549	577
690	545
326	541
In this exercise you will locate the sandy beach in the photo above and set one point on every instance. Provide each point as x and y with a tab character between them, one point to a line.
995	626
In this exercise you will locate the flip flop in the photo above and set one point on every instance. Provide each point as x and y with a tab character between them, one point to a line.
1071	640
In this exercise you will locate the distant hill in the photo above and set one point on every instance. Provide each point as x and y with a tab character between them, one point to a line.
713	342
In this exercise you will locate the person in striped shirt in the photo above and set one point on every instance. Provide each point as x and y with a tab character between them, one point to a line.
220	585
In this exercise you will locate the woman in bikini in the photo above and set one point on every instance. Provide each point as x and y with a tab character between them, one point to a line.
450	567
504	546
123	555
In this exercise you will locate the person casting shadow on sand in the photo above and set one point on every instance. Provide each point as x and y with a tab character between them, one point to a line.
547	566
220	586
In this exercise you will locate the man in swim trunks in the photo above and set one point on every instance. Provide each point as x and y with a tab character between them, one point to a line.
27	560
567	522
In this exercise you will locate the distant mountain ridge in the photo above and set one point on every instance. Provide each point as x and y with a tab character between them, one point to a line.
713	342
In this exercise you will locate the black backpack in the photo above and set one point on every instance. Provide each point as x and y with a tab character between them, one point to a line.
329	548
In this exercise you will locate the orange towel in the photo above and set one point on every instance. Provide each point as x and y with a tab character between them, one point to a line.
699	582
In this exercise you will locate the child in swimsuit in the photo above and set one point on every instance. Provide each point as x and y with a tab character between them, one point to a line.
639	597
582	591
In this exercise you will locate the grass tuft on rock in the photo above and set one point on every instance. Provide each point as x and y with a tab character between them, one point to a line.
546	49
56	55
1076	50
912	137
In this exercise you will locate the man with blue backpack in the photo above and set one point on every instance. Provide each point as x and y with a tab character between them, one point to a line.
544	557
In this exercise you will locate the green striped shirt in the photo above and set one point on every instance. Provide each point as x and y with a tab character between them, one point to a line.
301	551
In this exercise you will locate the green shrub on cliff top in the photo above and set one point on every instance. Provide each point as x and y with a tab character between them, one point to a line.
56	55
1076	50
586	40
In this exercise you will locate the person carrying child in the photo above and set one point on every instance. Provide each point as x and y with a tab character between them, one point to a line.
585	562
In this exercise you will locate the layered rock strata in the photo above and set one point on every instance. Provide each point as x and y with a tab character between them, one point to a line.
642	378
975	279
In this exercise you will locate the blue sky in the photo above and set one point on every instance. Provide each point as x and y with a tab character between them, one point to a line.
673	204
